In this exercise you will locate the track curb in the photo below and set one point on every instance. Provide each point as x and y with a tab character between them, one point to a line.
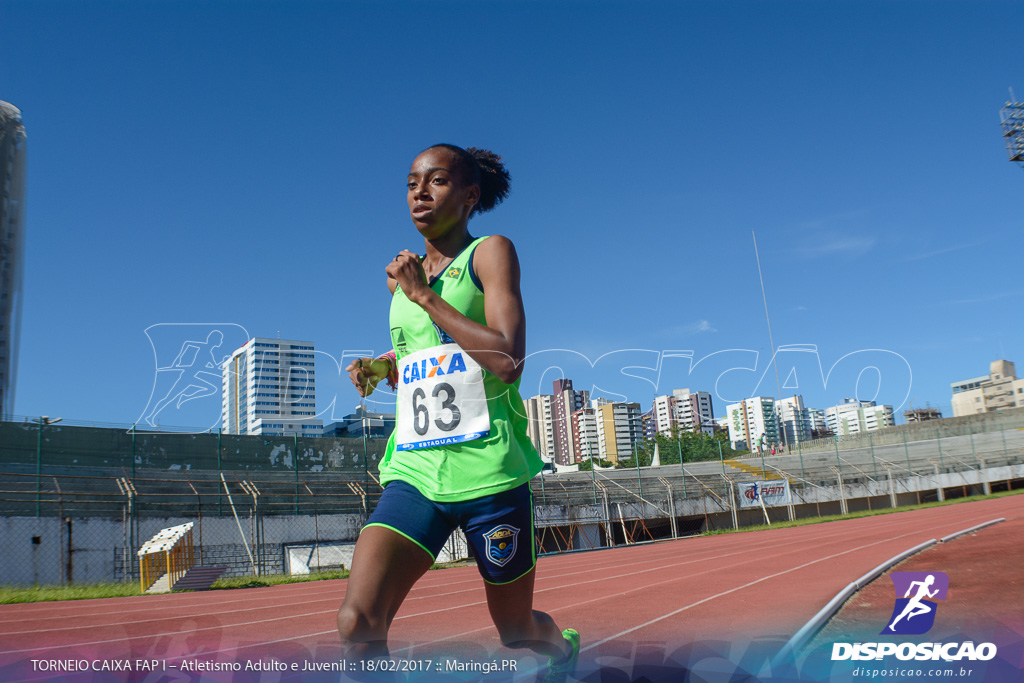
956	534
818	621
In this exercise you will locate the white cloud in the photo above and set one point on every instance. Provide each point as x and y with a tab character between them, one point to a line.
944	250
836	245
693	328
840	234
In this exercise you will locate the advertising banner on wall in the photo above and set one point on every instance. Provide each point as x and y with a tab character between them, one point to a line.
769	492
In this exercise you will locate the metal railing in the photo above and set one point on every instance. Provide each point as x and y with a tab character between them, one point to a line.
84	522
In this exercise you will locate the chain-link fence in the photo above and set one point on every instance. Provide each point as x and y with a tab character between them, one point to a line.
981	423
87	528
73	509
40	444
599	508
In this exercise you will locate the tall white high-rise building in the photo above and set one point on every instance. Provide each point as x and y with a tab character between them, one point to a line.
618	428
269	388
751	418
794	420
540	426
584	434
694	411
12	248
664	414
564	403
817	422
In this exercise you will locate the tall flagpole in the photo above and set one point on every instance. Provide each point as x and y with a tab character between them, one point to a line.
771	343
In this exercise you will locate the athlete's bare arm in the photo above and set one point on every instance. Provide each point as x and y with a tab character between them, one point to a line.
910	588
367	373
500	345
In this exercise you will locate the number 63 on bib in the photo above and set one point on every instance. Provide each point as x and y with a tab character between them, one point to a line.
441	399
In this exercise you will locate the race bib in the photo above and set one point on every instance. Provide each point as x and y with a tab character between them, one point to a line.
441	399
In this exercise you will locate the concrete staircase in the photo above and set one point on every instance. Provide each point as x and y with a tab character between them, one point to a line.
199	578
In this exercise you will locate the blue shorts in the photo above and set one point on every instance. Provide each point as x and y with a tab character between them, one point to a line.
499	528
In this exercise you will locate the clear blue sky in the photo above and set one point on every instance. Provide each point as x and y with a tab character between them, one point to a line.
243	163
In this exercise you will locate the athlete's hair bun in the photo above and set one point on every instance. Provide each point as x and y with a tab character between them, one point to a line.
484	168
494	179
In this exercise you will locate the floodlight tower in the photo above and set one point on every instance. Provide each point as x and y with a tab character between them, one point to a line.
1012	121
12	249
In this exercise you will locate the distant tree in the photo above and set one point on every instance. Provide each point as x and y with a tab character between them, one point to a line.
586	467
685	444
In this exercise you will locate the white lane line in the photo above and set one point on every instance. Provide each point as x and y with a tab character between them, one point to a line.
746	585
673	580
261	621
547	579
405	616
667	549
575	604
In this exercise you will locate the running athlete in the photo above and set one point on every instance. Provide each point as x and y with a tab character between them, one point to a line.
459	455
916	606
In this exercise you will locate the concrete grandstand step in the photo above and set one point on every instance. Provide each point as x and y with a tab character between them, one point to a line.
199	578
750	469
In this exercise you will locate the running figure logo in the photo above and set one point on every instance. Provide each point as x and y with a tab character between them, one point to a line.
189	360
752	492
914	613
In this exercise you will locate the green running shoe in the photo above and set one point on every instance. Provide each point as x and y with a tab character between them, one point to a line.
559	671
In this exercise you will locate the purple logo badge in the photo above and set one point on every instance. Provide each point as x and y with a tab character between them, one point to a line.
916	593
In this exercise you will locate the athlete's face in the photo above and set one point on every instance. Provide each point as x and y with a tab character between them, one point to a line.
438	198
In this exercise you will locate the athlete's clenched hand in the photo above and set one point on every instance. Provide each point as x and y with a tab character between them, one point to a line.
367	373
407	271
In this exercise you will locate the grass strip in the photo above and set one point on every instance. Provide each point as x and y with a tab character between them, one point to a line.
14	594
449	565
10	595
277	579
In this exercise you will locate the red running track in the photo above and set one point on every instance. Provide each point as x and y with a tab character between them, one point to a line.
629	601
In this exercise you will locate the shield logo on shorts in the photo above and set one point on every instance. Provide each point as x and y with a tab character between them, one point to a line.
501	544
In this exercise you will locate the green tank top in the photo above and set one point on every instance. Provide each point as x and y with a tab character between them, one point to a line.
502	460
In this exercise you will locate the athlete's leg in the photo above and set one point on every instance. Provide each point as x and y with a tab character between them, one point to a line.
500	529
906	610
918	610
385	566
910	611
519	625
